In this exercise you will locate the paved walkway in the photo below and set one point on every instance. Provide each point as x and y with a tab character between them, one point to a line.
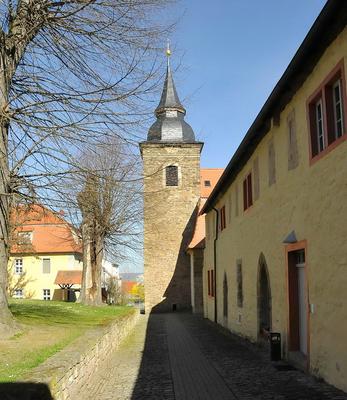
182	357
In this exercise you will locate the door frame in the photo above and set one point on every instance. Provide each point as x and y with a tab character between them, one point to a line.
291	248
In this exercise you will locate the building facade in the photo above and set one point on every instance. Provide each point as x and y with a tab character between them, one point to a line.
171	168
276	223
208	179
45	248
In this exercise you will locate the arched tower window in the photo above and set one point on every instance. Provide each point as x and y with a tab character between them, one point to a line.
171	174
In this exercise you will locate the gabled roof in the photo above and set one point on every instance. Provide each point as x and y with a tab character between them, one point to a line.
50	233
329	24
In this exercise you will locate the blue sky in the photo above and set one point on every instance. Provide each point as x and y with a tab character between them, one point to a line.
231	55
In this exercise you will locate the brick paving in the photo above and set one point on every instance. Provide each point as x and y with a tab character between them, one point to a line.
183	357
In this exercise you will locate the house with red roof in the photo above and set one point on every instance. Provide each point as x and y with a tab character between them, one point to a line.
48	250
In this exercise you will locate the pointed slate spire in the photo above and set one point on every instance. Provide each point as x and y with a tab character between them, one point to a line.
170	125
169	97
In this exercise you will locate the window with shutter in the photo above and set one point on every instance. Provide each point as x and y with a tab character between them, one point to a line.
327	112
46	265
171	173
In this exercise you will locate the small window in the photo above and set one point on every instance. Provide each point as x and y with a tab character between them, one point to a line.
171	175
210	282
207	183
256	183
18	266
326	113
46	266
239	283
236	200
225	296
24	237
46	294
293	156
247	192
230	208
272	163
222	222
18	294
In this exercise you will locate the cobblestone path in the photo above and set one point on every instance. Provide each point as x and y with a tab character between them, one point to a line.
183	357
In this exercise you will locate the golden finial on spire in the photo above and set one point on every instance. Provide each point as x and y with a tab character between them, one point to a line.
168	51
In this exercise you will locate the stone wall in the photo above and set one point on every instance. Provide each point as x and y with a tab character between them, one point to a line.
70	369
169	216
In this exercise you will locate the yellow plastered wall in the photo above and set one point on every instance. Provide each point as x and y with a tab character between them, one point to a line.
33	266
312	200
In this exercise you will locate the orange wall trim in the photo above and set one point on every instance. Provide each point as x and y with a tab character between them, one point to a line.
301	245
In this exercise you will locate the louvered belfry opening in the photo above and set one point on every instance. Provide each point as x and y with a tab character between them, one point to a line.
171	175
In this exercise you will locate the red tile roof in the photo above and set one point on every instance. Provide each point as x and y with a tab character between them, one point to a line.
68	278
209	174
198	239
127	286
50	232
206	174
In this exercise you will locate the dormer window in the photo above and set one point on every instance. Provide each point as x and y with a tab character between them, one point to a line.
25	237
207	183
171	173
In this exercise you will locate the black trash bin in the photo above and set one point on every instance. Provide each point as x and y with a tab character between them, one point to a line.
275	346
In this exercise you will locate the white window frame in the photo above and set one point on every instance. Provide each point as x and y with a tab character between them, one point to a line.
46	294
320	123
338	104
18	294
18	266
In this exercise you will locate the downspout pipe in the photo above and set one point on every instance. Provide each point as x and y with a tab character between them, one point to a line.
215	262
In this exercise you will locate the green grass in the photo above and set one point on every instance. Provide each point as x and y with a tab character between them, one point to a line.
36	312
48	327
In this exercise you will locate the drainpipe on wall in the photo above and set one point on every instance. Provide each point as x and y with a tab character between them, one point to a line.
192	282
215	264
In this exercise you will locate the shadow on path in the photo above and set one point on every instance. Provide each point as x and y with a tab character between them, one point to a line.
188	358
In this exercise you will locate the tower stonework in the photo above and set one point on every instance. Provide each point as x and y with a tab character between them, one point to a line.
171	168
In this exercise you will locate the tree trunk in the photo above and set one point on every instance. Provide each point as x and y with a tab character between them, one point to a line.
92	268
7	324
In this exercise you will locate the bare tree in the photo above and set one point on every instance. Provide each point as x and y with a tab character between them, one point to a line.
71	72
110	203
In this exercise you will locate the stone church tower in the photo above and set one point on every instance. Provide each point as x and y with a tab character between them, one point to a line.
171	167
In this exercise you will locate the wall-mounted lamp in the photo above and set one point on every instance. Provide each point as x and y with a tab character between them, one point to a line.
291	238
